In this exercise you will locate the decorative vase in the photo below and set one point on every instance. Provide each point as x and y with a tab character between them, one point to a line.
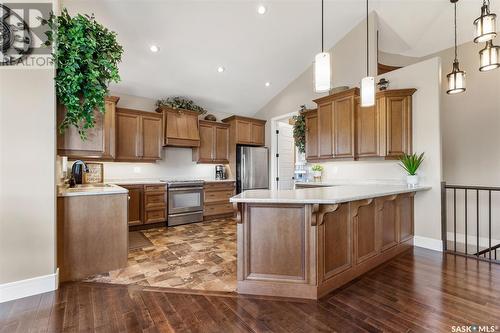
412	180
317	175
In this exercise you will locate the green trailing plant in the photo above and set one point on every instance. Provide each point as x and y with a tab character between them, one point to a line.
411	162
86	55
299	130
317	167
178	102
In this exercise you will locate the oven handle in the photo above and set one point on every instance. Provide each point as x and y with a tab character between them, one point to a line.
184	214
184	189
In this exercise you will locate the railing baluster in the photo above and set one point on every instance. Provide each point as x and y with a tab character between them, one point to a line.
489	221
477	222
466	243
455	220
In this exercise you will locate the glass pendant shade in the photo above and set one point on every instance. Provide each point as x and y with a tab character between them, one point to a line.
456	80
322	72
485	26
368	91
489	57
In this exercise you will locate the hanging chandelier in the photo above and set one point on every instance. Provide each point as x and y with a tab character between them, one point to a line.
485	28
367	83
489	57
456	79
322	69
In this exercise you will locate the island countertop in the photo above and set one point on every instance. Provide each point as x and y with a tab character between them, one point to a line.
324	195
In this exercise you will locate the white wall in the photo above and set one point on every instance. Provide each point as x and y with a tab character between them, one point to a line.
27	175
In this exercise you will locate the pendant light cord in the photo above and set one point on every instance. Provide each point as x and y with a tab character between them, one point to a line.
367	43
456	55
322	28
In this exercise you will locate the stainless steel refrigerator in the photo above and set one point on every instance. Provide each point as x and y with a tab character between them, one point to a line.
252	168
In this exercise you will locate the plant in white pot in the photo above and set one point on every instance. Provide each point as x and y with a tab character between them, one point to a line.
411	163
317	170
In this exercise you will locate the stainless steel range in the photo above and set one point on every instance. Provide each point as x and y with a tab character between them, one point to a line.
185	201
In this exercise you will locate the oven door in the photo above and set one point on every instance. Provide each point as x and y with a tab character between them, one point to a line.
185	200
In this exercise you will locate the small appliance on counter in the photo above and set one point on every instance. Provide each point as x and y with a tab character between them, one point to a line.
300	171
77	171
220	172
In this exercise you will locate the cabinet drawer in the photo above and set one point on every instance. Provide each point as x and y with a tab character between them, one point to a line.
218	196
154	188
155	215
154	199
221	209
216	186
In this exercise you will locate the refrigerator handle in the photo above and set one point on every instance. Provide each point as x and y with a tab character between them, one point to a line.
243	169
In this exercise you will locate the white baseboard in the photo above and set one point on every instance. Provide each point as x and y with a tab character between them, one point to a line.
428	243
24	288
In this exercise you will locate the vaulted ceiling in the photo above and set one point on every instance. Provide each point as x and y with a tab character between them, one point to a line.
196	37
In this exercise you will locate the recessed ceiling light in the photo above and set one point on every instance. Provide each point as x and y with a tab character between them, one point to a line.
261	10
267	84
154	48
220	69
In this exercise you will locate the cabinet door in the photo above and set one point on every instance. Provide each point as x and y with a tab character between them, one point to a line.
258	131
151	137
135	194
205	151
366	234
244	131
398	125
325	130
343	128
311	136
404	204
387	222
100	143
128	132
367	127
221	145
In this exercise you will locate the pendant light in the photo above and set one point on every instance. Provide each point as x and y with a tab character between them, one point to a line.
367	83
322	69
489	57
456	79
485	28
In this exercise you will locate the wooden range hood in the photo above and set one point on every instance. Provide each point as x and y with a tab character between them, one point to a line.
180	127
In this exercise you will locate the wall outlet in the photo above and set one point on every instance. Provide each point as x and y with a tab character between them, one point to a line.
137	169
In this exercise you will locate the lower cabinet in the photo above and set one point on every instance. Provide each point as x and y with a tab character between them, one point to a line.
216	199
147	204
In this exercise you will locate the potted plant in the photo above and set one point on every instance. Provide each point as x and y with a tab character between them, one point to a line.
411	163
317	169
299	130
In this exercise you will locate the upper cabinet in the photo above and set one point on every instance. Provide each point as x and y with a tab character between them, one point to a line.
214	143
180	127
342	129
395	111
138	136
247	131
100	142
336	125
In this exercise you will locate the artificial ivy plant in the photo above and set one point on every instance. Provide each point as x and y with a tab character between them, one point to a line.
299	130
86	55
178	102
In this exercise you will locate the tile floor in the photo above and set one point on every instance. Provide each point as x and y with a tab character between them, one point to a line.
195	256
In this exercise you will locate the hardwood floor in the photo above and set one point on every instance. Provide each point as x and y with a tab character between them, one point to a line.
418	291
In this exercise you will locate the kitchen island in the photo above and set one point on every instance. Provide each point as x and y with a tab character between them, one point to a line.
305	243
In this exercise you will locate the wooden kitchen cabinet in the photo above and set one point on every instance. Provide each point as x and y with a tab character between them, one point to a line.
216	199
311	135
367	131
247	131
100	143
214	143
180	127
138	136
147	204
395	111
336	125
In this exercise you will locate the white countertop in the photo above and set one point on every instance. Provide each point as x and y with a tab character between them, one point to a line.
158	181
337	182
325	195
89	189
